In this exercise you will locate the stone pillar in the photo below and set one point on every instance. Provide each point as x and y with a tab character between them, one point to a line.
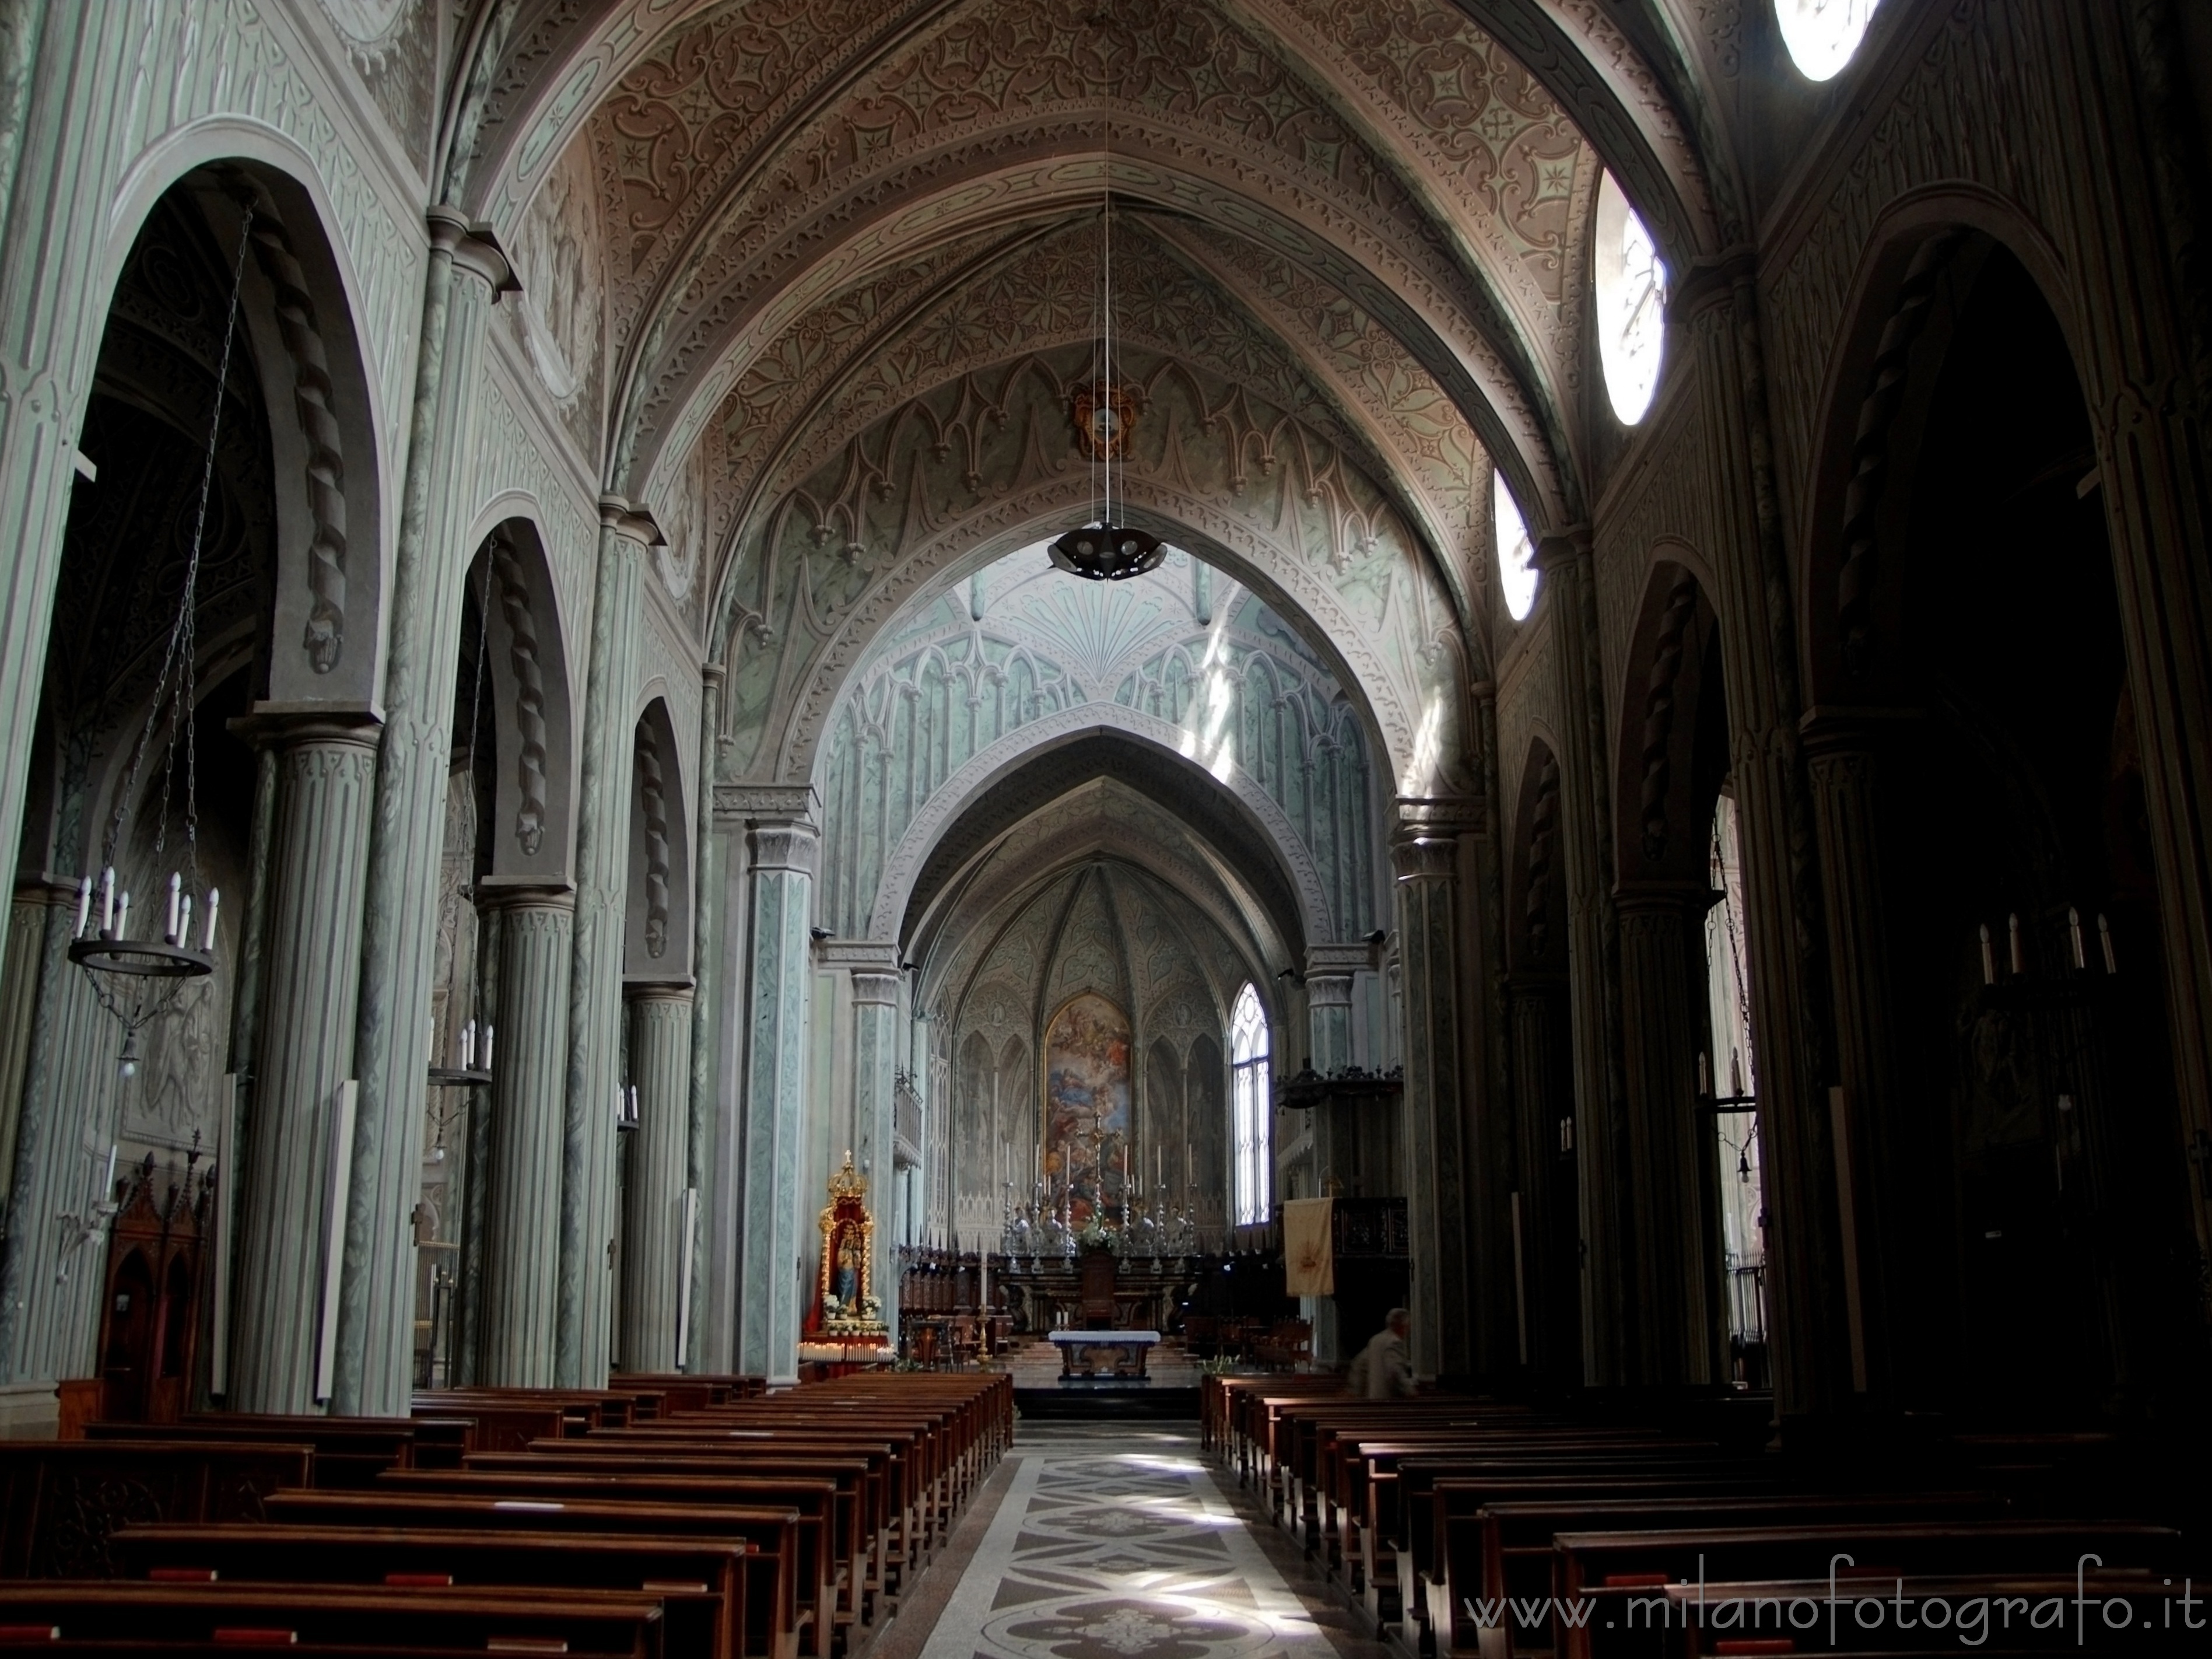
772	1100
603	808
49	1325
1329	1036
318	857
1426	861
1845	772
376	1305
530	1061
1717	309
875	1068
709	942
1673	1256
653	1237
1543	1086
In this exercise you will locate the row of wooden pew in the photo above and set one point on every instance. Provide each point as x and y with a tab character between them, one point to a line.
666	1518
1462	1527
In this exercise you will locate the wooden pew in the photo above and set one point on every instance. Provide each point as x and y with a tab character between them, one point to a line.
60	1500
701	1582
784	1544
350	1451
830	1493
153	1619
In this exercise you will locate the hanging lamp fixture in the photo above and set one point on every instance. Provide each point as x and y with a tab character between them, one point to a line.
1105	413
139	979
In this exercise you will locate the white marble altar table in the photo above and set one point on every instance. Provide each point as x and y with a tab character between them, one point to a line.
1116	1353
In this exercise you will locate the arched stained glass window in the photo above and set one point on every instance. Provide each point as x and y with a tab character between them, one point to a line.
1823	36
1631	304
1516	552
1250	1098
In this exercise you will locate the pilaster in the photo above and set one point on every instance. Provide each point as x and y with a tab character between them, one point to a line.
772	1104
66	1121
1676	1333
1551	1280
653	1235
709	944
1426	864
326	780
376	1301
529	1074
875	1066
603	808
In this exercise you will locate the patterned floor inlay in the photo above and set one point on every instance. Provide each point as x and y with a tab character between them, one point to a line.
1117	1544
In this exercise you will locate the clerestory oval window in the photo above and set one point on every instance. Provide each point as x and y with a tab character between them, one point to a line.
1631	304
1823	36
1516	553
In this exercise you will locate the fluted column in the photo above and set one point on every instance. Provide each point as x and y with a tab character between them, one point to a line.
1427	865
709	948
652	1236
326	780
875	1067
530	1061
1844	773
772	1104
1328	1039
376	1303
1543	1085
603	807
49	1324
1673	1256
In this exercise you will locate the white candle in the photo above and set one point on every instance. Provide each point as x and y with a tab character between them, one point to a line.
2019	953
123	917
108	1191
184	922
2074	932
107	899
1989	958
468	1045
176	891
2104	939
215	898
83	905
487	1051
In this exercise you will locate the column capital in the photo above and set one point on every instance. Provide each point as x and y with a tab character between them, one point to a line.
783	845
631	519
494	893
858	955
474	248
875	987
1712	279
1568	544
1328	990
657	991
292	725
1440	817
1687	900
1841	728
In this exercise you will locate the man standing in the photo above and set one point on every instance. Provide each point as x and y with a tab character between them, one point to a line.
1382	1370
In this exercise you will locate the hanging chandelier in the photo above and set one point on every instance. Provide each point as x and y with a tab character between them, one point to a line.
1105	413
139	979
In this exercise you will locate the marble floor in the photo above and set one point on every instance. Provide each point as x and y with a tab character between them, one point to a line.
1099	1541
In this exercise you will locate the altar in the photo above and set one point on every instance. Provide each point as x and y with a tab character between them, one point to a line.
1092	1354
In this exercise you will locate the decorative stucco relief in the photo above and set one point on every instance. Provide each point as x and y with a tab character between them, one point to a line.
199	62
971	464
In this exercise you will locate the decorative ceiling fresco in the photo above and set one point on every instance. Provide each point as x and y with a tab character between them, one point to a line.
764	242
972	682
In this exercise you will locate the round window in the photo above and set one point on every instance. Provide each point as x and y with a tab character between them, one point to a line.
1631	304
1516	554
1823	34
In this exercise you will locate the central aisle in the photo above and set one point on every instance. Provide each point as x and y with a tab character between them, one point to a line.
1109	1542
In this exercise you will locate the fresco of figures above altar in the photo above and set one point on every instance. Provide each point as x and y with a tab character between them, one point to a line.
1084	1029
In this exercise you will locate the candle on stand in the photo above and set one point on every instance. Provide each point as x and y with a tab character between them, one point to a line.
176	891
2019	951
83	905
107	899
2074	933
215	898
1989	958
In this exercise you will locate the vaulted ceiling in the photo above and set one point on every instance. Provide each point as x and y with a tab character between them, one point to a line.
748	228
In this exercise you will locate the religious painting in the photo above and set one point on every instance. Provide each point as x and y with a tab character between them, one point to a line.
1086	1104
